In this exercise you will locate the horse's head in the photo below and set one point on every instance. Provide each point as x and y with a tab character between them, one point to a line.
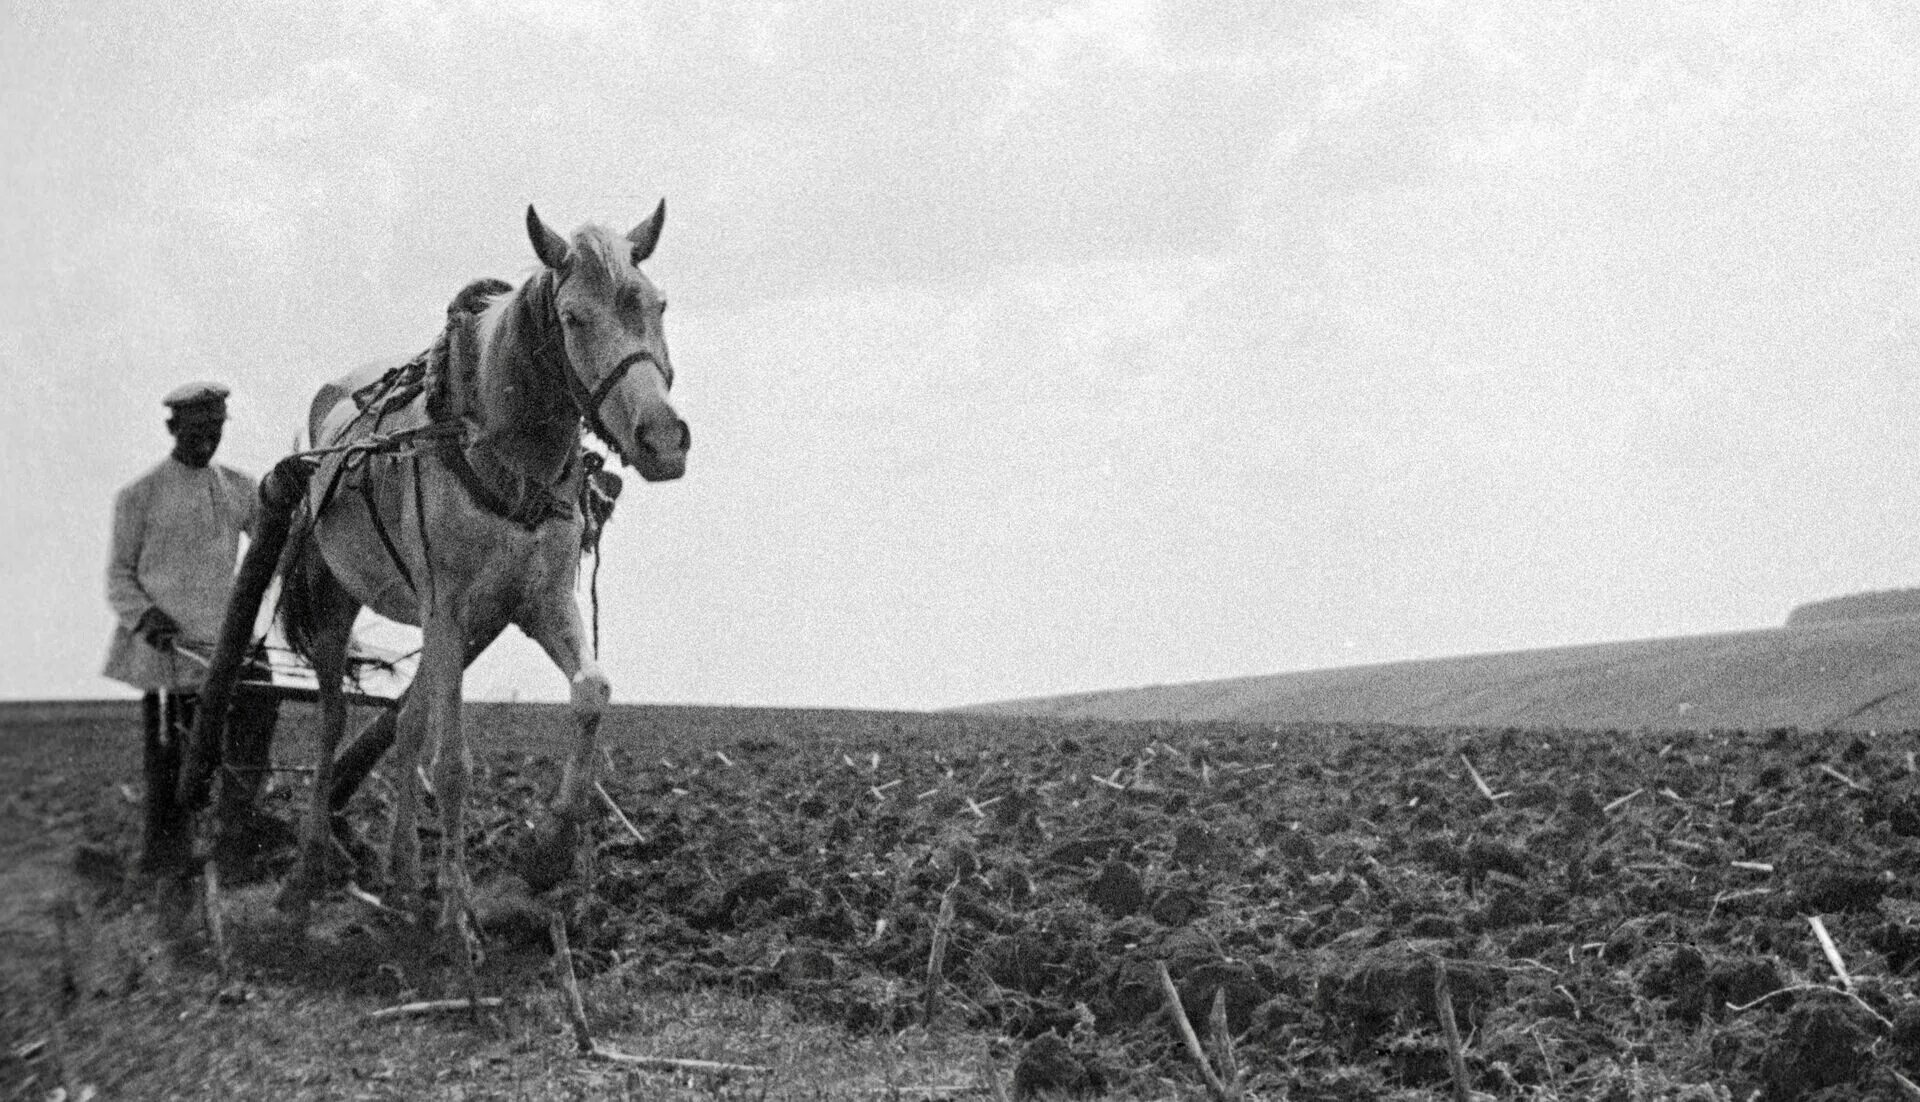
609	316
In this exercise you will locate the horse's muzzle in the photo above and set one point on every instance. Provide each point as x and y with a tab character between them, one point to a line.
662	454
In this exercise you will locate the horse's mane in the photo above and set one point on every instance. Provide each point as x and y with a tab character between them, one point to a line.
453	363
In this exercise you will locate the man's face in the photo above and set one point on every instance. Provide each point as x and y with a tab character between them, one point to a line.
196	435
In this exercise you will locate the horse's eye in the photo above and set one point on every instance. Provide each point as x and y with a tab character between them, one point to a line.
568	317
663	306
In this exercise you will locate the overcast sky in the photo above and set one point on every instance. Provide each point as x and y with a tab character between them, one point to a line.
1027	348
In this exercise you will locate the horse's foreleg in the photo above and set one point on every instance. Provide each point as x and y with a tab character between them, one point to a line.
548	858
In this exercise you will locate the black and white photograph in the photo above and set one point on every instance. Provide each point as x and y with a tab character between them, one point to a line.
979	549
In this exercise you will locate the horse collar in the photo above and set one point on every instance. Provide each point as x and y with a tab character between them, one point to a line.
532	510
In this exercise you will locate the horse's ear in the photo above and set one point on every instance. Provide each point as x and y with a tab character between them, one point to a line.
550	247
647	234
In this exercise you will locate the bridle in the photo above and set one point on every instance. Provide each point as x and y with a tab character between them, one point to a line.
587	403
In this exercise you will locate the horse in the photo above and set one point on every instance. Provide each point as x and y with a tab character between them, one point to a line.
451	502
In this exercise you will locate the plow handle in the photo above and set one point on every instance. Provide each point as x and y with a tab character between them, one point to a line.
282	490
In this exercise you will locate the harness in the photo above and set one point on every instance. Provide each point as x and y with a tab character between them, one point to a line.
437	374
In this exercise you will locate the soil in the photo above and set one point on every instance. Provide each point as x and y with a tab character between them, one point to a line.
1612	915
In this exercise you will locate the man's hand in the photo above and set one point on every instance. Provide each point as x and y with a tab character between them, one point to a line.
157	629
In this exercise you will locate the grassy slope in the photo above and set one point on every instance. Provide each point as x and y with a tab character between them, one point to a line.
1859	674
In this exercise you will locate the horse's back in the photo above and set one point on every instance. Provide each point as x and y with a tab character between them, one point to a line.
334	407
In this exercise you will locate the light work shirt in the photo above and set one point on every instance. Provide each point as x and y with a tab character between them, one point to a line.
176	540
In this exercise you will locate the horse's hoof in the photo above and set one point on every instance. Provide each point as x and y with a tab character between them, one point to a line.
249	850
173	900
504	912
463	941
545	860
353	851
295	900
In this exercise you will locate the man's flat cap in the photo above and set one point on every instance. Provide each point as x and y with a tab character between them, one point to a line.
198	396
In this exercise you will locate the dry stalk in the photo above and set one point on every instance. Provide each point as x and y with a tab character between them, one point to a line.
1480	782
433	1006
583	1037
1222	1040
379	905
1832	952
216	927
619	815
1214	1085
64	996
1621	802
1843	778
1729	897
1821	988
570	987
1456	1049
937	955
992	1075
1907	1086
670	1063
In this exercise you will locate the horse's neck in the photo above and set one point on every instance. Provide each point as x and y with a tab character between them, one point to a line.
526	429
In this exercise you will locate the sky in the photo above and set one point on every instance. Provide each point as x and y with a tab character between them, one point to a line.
1027	348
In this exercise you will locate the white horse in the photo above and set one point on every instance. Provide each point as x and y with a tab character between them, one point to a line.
472	524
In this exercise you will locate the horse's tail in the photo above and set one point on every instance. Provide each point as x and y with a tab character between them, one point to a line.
301	576
280	493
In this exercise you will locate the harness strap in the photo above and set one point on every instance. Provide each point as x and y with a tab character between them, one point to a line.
426	548
386	540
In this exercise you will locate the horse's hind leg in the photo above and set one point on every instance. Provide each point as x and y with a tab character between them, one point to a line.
409	727
437	689
365	750
335	611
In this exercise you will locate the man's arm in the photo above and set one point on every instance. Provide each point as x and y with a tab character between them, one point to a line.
129	600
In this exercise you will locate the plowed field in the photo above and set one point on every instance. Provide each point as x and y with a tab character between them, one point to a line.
1607	915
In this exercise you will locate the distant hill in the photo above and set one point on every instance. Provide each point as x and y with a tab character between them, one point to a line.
1878	605
1848	663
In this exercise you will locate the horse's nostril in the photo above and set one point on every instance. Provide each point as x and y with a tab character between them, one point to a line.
647	439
